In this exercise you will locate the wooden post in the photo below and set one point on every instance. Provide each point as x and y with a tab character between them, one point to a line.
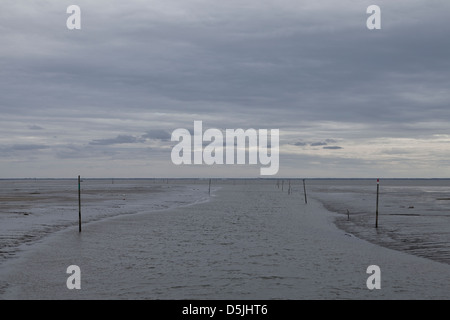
209	191
282	185
348	215
79	203
378	196
289	190
304	190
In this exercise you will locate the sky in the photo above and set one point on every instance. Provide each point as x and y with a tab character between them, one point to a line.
103	101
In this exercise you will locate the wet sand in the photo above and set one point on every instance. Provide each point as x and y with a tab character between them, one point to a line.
31	210
248	242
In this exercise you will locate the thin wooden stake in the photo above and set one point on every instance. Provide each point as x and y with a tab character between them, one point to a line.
79	203
209	191
304	190
378	196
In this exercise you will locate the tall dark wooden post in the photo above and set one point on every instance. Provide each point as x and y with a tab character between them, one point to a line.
79	203
378	197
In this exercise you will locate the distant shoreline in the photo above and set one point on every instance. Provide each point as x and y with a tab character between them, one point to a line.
224	179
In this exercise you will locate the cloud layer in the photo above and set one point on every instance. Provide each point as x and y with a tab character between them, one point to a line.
106	98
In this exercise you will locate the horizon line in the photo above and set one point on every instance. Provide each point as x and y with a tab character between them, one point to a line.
225	178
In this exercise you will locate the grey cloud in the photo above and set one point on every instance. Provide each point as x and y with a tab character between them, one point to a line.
35	127
111	151
162	135
314	144
318	144
253	63
84	152
299	144
26	147
397	151
29	150
333	148
120	139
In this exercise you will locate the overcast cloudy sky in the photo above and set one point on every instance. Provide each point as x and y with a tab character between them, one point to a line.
102	101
